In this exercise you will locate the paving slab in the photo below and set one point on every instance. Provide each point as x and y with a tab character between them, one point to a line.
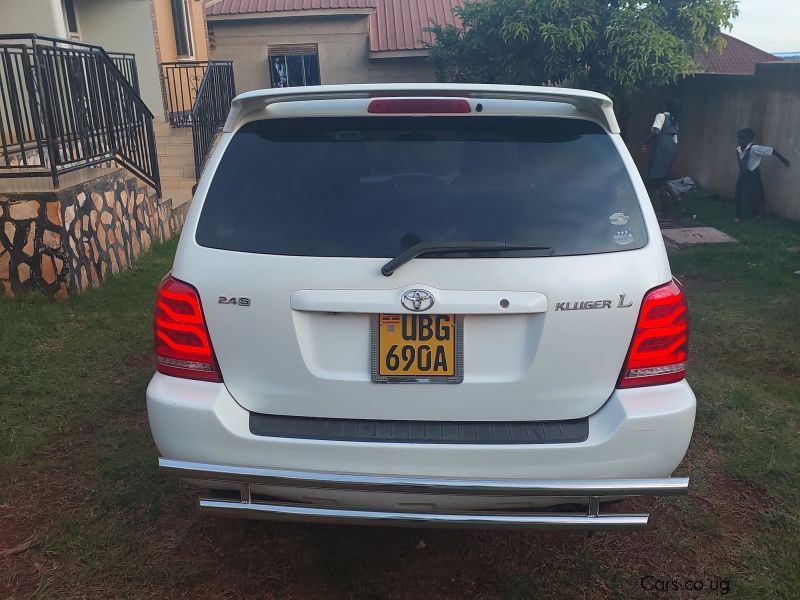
692	236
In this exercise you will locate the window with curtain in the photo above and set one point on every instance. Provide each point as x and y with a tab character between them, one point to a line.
183	31
291	66
71	19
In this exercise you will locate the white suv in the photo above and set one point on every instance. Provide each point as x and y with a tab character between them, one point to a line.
422	304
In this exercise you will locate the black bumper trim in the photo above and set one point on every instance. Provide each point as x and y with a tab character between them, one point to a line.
420	432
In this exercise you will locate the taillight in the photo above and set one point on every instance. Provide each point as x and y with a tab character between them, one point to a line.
660	345
182	344
407	106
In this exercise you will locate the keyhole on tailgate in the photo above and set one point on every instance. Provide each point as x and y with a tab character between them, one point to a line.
504	303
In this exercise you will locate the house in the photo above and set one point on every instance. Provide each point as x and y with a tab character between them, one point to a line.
735	58
154	31
160	45
108	110
276	43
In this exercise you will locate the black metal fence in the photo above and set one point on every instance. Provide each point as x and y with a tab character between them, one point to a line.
180	82
211	106
126	63
68	105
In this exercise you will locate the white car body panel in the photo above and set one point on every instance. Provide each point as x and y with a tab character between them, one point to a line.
638	433
301	347
323	366
590	103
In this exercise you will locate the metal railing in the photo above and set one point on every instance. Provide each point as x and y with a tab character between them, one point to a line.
211	106
126	63
68	105
254	481
179	84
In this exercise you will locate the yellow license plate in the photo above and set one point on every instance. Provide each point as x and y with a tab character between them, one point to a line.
417	348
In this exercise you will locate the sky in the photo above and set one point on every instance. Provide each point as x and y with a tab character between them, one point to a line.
772	25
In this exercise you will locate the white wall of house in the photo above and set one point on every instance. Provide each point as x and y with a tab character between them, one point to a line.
124	26
32	16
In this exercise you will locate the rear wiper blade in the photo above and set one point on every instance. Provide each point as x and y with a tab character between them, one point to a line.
439	247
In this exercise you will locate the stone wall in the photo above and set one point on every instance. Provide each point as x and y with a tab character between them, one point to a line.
61	242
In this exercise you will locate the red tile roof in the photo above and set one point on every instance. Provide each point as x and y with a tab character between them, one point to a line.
399	24
246	7
395	24
737	58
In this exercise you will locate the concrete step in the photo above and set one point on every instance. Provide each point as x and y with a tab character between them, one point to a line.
172	140
180	140
179	131
176	160
182	183
174	149
176	134
179	195
177	172
159	126
165	126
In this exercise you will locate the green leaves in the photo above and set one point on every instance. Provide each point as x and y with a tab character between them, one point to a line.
642	51
613	46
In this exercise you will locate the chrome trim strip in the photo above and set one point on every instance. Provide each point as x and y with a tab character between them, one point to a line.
275	511
669	486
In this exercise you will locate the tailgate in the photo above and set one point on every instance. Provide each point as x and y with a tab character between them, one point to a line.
298	216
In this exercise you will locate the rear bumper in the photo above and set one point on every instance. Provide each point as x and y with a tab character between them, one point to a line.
635	442
590	491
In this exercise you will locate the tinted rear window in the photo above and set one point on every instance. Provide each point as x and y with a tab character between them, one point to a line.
373	186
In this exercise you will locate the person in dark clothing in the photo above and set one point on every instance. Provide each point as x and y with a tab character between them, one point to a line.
664	138
749	185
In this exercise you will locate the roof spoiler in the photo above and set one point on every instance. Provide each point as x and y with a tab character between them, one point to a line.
593	103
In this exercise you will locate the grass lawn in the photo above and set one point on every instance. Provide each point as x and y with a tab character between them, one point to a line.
78	472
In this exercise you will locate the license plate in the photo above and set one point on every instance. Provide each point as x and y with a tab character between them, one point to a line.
417	348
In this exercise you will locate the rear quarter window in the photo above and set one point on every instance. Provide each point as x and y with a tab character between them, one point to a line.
374	186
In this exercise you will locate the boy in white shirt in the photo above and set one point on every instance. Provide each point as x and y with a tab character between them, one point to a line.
749	185
664	140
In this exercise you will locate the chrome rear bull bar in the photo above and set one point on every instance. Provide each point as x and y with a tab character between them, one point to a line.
583	491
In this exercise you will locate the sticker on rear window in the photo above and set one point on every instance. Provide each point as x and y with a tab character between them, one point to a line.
619	218
623	237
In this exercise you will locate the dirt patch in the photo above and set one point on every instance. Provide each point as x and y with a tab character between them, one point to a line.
35	498
181	554
38	501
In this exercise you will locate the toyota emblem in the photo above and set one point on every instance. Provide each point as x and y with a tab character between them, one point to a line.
417	300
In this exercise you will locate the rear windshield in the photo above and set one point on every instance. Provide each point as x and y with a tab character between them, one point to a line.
374	186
